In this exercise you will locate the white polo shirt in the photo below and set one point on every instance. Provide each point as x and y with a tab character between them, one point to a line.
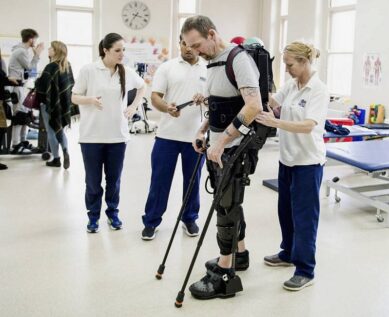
108	125
179	81
311	102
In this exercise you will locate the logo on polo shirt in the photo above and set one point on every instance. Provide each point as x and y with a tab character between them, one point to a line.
203	78
302	103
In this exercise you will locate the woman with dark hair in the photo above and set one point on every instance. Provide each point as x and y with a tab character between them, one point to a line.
4	81
101	92
54	88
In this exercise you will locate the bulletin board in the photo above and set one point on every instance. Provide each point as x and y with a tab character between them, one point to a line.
147	52
6	44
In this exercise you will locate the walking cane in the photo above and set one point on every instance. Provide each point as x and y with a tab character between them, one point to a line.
161	268
218	196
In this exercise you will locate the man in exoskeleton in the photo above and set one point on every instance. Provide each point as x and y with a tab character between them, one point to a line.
231	111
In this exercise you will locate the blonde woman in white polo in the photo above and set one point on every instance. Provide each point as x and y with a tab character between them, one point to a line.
304	102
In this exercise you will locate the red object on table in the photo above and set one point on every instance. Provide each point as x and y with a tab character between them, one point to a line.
342	121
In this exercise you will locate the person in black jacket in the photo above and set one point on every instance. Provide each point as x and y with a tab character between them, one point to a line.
4	81
54	90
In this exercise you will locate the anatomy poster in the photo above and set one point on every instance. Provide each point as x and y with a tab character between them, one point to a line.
372	70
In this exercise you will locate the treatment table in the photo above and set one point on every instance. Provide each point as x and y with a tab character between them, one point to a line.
372	158
355	131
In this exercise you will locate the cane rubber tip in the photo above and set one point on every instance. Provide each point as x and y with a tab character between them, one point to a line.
158	276
178	304
179	299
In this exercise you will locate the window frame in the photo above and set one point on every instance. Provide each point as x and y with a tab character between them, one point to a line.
175	36
65	5
341	6
330	50
96	27
282	39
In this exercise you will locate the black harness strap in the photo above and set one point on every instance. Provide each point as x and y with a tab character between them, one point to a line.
222	63
230	59
228	64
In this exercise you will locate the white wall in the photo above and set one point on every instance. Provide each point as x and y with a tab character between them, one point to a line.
371	37
159	26
270	20
16	15
234	17
307	21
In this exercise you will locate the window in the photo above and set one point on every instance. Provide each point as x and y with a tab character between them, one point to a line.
187	6
69	32
284	7
341	46
283	37
341	3
185	9
76	3
74	27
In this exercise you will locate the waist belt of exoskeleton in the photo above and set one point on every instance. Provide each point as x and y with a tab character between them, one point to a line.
222	110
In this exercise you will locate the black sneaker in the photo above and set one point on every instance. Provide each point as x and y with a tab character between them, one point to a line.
242	261
222	283
115	223
56	162
3	167
297	283
93	226
274	260
66	159
26	144
191	229
148	233
21	149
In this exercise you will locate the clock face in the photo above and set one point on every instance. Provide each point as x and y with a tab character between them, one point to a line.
136	15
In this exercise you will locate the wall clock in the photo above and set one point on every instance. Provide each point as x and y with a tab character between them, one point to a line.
136	15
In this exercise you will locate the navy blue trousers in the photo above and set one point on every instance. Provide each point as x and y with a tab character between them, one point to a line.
298	212
163	164
99	156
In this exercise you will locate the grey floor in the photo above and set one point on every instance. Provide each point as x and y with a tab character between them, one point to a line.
50	266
